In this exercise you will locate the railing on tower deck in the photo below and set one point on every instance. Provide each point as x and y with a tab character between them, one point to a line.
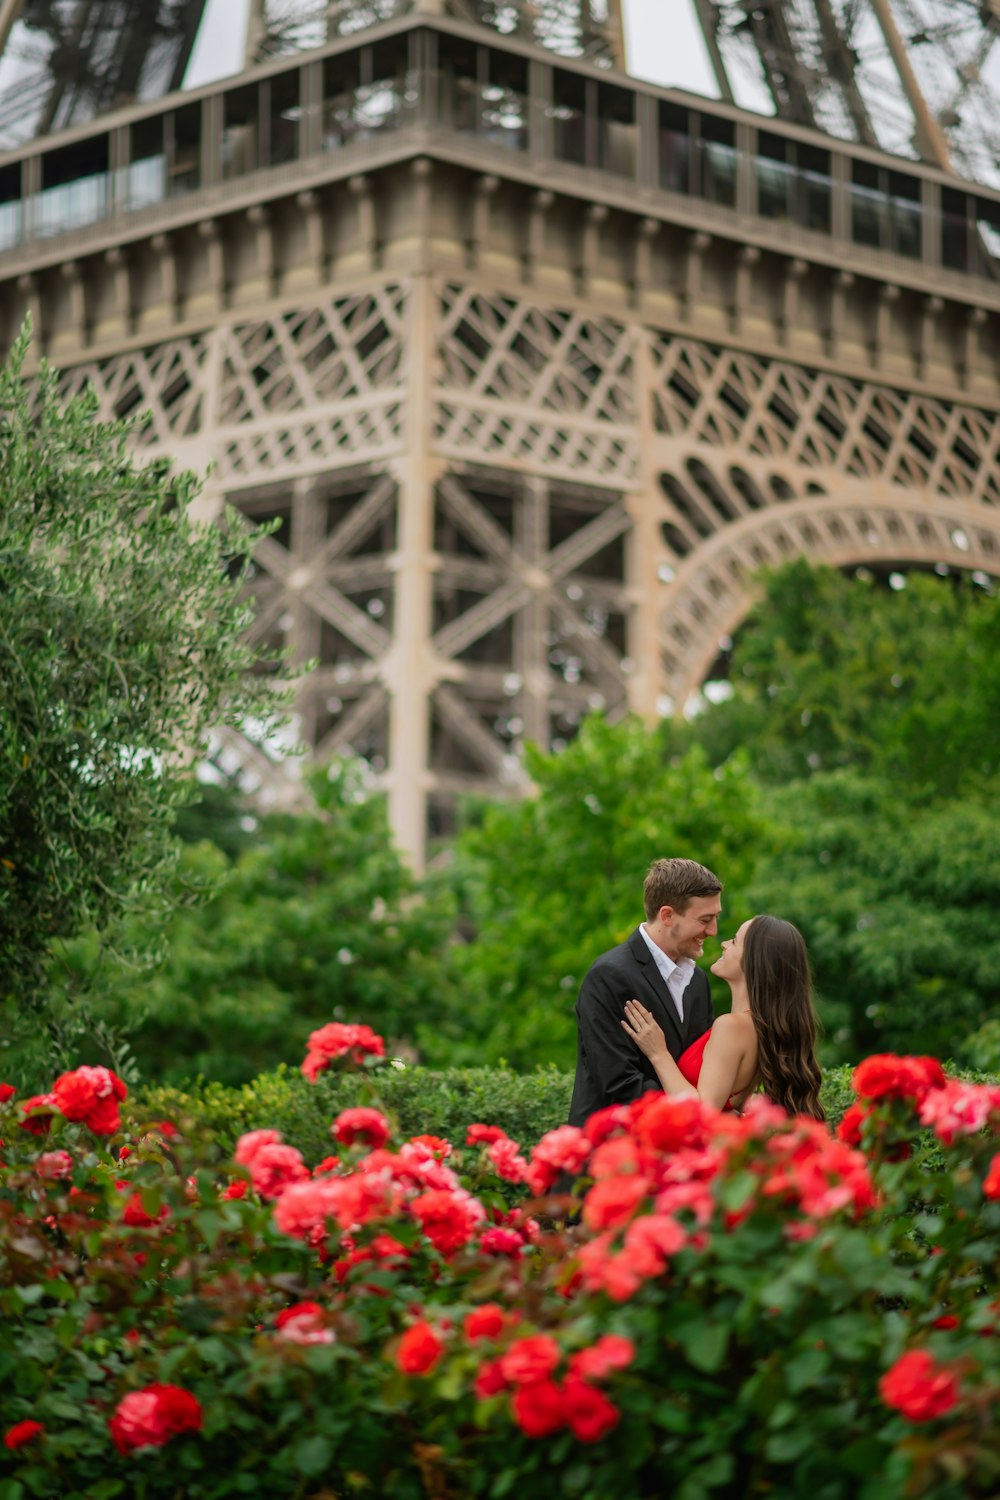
576	124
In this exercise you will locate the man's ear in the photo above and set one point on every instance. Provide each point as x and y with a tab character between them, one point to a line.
665	915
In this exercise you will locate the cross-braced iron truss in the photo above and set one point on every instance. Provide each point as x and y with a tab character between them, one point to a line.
528	366
915	77
584	476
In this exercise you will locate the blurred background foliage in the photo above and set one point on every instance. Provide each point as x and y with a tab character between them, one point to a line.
844	778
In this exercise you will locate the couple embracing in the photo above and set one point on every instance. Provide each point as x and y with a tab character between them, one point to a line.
644	1015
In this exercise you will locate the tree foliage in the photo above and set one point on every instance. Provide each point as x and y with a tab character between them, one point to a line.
319	919
899	911
873	715
548	883
121	643
833	672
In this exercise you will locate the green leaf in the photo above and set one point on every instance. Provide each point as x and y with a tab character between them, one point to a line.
806	1369
704	1345
785	1447
312	1456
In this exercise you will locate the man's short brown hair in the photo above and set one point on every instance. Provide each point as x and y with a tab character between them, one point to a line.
676	882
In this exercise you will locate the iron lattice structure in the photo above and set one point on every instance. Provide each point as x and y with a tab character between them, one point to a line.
69	61
576	28
915	77
532	366
65	62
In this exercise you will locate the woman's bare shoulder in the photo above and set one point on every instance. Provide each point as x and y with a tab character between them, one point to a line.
734	1029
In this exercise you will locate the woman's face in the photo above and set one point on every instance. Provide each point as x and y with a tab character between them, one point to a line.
729	964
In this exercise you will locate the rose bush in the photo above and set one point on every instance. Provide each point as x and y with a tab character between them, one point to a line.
724	1306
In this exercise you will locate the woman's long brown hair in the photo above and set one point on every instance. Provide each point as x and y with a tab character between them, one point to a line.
779	988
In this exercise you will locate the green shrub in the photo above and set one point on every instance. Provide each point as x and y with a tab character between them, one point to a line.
981	1050
306	926
422	1100
747	1307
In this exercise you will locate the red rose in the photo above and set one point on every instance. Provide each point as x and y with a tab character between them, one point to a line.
612	1201
611	1352
7	1091
991	1182
328	1164
302	1323
448	1217
849	1129
490	1380
104	1118
605	1121
565	1149
136	1215
22	1432
960	1109
249	1144
38	1112
486	1322
650	1240
484	1135
530	1359
507	1160
665	1123
501	1242
436	1145
886	1076
91	1096
420	1348
589	1413
298	1310
274	1167
337	1041
539	1408
151	1417
919	1388
54	1164
361	1124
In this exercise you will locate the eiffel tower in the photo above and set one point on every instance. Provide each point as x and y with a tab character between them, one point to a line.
533	363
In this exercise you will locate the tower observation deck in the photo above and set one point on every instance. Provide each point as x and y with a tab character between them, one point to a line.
533	363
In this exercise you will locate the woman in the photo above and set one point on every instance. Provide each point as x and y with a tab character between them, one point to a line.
769	1037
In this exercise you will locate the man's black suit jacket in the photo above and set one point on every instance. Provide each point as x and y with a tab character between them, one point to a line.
610	1069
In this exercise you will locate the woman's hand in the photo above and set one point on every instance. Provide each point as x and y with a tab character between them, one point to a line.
644	1031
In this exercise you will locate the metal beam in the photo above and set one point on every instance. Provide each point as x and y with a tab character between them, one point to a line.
782	64
616	34
9	12
708	17
256	29
930	137
839	60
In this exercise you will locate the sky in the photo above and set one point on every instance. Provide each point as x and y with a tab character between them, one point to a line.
662	43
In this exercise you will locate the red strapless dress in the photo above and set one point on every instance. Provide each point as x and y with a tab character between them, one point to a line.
691	1059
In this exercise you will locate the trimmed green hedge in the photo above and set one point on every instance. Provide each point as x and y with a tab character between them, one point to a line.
526	1105
423	1100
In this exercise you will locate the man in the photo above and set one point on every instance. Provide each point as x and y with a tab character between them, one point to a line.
656	966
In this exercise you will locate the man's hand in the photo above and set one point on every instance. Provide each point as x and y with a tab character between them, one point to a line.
644	1031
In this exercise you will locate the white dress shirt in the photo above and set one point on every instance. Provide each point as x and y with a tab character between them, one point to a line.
676	976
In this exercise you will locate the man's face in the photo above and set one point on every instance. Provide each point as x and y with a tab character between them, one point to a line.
684	932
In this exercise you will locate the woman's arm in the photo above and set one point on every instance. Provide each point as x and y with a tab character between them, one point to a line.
720	1067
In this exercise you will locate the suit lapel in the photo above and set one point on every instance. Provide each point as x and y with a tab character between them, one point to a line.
690	1006
662	1006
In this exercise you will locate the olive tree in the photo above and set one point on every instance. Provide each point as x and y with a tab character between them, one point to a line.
122	642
